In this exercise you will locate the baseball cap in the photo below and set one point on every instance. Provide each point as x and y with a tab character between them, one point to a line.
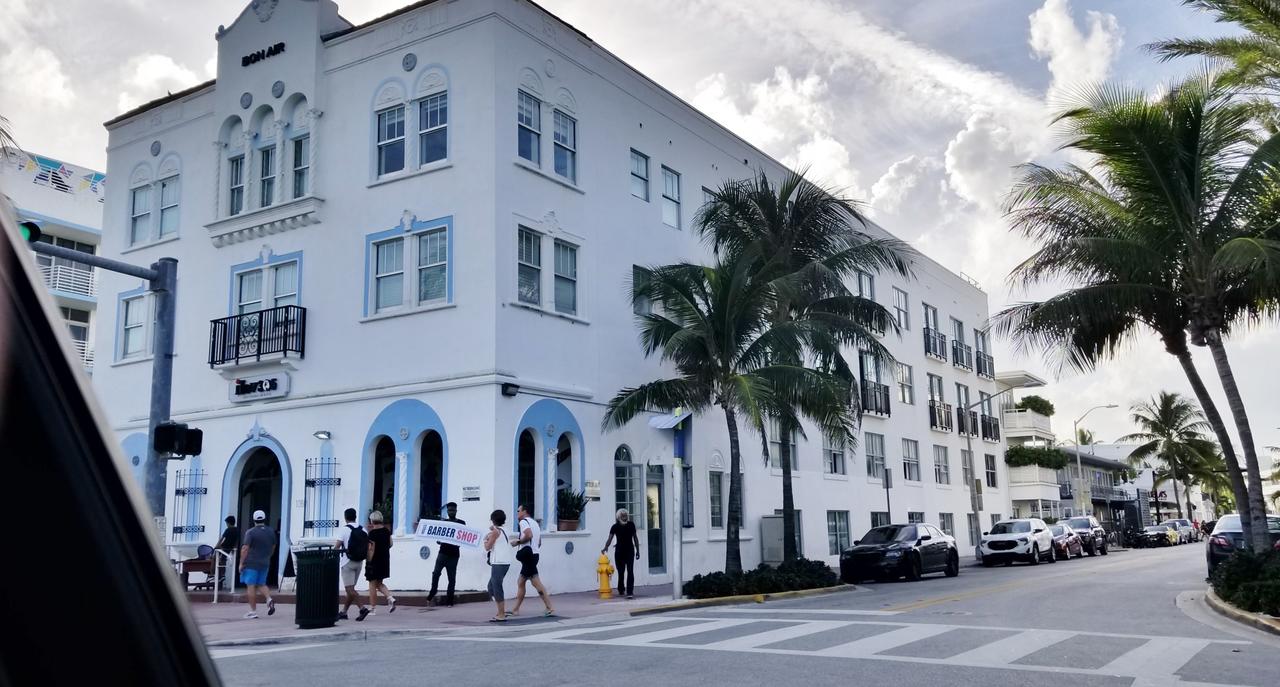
259	516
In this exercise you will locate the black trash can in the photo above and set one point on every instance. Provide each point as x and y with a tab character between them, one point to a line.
317	587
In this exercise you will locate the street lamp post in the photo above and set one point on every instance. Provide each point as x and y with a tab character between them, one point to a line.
1075	437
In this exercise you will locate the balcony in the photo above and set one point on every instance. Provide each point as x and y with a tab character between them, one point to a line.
986	365
1027	423
84	353
1034	483
875	398
250	336
940	416
961	355
967	422
935	344
877	323
78	281
990	428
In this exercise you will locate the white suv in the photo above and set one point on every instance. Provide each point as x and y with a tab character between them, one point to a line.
1025	539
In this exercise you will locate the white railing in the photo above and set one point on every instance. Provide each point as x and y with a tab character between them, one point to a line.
67	279
85	351
1015	420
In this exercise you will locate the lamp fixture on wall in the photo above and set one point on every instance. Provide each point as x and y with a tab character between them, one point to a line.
322	434
509	389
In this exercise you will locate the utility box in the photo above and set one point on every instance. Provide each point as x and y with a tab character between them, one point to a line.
771	539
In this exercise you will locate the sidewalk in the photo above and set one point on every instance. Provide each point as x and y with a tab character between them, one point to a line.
223	624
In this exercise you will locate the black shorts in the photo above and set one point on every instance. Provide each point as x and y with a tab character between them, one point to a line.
528	562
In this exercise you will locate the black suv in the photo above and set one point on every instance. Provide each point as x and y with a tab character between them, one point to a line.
1092	536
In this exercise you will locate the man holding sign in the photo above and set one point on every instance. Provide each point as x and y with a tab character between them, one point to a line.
447	559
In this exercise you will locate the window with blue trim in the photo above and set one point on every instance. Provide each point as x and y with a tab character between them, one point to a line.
394	286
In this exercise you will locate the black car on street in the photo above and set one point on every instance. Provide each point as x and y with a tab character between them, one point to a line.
1092	536
1227	537
893	551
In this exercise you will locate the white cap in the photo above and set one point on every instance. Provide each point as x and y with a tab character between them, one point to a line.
259	516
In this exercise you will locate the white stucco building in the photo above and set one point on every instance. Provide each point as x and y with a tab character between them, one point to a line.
66	201
404	249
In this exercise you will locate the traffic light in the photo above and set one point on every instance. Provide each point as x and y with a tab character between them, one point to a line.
177	438
30	231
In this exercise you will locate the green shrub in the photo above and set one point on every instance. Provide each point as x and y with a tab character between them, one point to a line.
1036	404
800	574
1052	458
1250	581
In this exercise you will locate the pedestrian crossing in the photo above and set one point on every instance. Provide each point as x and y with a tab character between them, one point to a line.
885	636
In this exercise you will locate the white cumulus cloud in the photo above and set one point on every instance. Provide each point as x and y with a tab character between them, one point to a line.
151	76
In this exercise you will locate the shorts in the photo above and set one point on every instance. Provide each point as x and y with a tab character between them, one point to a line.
351	572
528	563
254	576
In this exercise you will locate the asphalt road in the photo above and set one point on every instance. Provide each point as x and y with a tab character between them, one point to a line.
1130	618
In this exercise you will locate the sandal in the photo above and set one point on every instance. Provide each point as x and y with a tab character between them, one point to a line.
548	613
496	619
512	614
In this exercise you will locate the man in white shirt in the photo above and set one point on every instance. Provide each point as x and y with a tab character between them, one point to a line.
353	559
527	545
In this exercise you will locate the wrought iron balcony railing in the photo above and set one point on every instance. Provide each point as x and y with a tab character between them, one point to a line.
940	417
961	355
875	398
252	335
990	428
967	422
935	344
986	365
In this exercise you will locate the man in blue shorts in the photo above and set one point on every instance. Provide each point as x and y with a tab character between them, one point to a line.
255	558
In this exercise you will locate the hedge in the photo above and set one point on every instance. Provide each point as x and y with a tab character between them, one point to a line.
1018	456
1036	404
1250	581
800	574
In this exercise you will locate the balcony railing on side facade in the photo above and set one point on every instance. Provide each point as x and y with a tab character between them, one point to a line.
990	428
940	416
74	280
961	355
935	344
986	365
967	422
875	398
253	335
84	352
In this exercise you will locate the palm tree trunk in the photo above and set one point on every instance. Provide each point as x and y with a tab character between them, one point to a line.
732	553
789	552
1177	499
1238	489
1257	506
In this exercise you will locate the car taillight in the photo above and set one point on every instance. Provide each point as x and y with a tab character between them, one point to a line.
1221	541
1277	546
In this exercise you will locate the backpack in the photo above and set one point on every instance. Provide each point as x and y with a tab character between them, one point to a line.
357	544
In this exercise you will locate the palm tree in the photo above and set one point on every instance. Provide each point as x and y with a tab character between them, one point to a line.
709	323
7	141
806	243
1173	231
1252	59
1084	437
1171	428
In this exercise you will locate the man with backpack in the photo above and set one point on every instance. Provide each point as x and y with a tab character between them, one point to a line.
355	547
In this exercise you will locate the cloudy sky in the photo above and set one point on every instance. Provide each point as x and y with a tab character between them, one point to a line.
919	108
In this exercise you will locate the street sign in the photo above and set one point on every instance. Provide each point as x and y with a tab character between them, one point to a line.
888	478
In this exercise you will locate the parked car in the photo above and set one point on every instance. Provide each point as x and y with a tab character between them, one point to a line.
1227	537
1092	535
893	551
1186	533
1066	542
1021	539
1159	535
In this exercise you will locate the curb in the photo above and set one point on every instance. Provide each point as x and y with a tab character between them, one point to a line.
1254	620
744	599
340	635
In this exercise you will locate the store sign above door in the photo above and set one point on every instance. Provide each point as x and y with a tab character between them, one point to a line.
249	389
260	55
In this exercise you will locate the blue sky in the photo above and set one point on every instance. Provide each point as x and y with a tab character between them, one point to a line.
920	109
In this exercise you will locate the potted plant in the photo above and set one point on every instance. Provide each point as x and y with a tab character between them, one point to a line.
569	507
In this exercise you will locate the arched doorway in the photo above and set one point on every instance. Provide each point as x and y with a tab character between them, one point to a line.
384	479
431	477
262	488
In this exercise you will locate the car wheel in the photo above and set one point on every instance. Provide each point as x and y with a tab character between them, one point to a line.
953	564
1093	549
913	567
988	563
1008	562
1104	549
1035	554
1053	555
1080	551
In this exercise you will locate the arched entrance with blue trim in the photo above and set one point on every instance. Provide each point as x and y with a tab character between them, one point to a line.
259	473
412	430
549	455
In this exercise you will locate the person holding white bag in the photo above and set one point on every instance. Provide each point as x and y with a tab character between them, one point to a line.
500	556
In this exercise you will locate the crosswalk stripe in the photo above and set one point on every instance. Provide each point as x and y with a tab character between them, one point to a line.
1161	656
1010	649
657	635
885	640
776	635
573	631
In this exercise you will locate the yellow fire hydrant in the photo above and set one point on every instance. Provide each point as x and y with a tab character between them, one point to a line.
605	570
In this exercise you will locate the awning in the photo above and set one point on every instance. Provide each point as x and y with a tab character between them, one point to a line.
668	421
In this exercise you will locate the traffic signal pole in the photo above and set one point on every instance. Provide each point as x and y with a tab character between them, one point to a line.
162	280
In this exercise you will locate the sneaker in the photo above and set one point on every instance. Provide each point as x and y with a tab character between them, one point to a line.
393	605
251	615
631	596
271	606
364	613
343	616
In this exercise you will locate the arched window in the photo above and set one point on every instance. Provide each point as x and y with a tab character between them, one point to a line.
431	477
384	478
526	470
626	482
